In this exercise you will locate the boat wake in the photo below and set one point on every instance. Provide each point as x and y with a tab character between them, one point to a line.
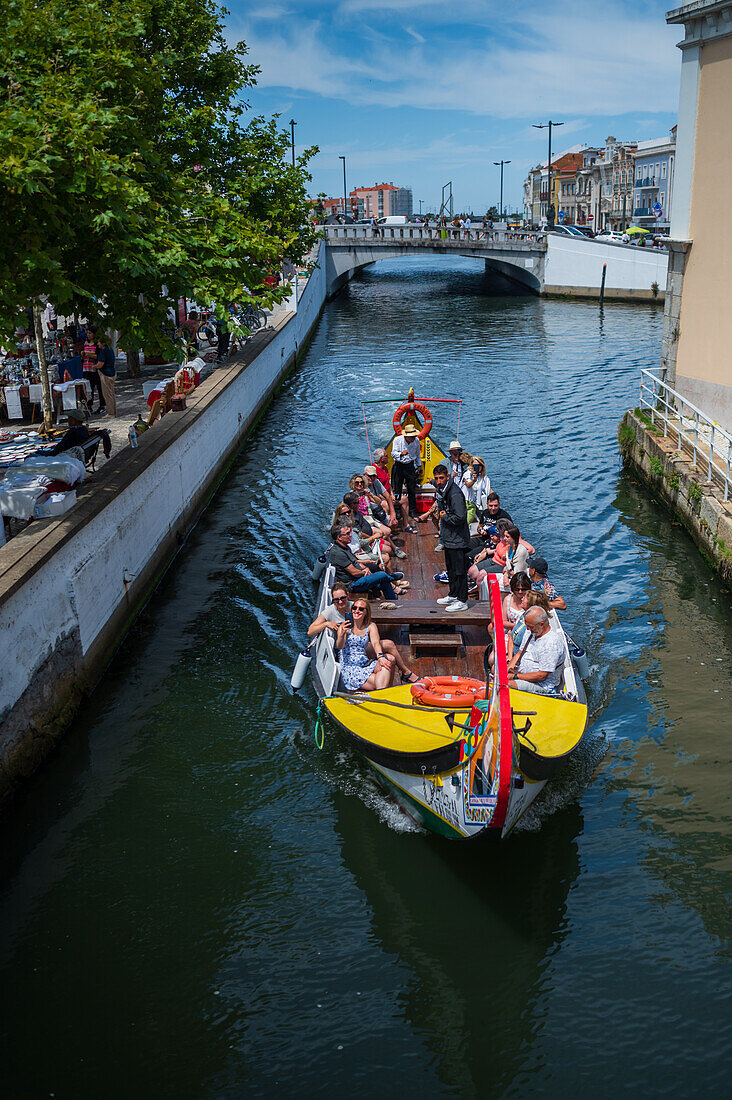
575	779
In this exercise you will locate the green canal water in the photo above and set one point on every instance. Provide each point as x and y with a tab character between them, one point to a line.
195	902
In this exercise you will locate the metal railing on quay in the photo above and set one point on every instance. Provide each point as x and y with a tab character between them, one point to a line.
700	437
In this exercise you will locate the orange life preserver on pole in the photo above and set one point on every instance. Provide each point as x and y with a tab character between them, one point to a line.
413	406
448	691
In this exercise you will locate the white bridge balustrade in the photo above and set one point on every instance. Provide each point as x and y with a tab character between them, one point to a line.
549	264
697	436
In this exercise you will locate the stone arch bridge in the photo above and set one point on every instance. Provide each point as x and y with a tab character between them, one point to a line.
551	265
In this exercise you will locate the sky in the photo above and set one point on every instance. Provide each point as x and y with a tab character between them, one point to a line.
422	92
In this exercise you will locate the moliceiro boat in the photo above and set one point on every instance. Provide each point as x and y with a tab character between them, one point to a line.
460	751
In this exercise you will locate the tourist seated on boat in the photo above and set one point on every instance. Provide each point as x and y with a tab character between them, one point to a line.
537	666
493	511
363	546
358	671
371	535
517	552
481	486
538	570
335	613
400	504
455	465
517	634
369	505
374	486
348	570
516	602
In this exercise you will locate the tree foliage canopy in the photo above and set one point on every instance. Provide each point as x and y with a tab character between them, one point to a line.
131	171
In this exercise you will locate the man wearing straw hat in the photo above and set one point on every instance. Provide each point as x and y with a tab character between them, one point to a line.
407	456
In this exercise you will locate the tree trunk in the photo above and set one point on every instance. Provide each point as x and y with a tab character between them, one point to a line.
43	368
133	363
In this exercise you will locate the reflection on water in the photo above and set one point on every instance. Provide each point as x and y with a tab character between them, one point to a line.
195	902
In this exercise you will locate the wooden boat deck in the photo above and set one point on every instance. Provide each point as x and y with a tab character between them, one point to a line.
419	567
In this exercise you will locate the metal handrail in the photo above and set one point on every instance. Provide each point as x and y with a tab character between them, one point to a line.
430	233
667	405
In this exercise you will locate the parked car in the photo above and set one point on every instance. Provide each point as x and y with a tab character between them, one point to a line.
585	230
565	230
610	235
394	219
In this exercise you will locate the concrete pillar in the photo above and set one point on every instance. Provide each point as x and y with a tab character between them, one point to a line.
685	142
677	256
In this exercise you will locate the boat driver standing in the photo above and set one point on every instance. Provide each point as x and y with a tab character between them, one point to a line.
407	465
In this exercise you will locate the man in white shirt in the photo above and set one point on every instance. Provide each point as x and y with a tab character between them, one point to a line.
538	665
407	466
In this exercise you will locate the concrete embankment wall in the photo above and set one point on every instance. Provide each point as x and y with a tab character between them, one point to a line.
682	488
70	587
573	267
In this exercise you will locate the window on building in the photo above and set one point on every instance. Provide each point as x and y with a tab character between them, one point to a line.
663	170
662	198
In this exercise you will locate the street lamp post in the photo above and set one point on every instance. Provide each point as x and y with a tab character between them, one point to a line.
549	206
420	207
345	192
501	163
293	124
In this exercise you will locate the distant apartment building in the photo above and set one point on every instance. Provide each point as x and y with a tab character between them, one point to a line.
381	201
653	186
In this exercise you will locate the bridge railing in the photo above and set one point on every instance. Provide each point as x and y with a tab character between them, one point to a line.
704	441
428	233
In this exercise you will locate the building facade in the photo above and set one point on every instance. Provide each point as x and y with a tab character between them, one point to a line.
564	186
381	201
653	187
695	353
604	186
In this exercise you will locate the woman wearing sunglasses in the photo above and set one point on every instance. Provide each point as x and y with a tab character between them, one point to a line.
358	671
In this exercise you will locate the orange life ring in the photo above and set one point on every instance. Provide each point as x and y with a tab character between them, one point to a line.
413	406
441	691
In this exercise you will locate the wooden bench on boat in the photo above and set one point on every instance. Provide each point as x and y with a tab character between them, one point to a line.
429	613
447	645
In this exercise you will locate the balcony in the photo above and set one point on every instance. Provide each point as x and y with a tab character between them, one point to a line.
643	212
647	181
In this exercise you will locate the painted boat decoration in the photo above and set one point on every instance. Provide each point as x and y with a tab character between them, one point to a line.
467	768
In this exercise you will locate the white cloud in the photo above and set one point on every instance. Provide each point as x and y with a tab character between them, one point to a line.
556	67
414	34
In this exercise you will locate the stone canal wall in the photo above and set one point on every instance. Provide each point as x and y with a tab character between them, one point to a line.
71	587
681	487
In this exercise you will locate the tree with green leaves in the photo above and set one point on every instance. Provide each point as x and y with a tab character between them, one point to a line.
131	171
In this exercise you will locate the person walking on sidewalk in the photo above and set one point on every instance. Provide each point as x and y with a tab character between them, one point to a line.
455	538
107	374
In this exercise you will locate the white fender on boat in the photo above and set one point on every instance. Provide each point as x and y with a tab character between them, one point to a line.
302	664
318	568
579	658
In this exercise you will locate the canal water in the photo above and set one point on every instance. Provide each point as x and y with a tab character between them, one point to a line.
196	902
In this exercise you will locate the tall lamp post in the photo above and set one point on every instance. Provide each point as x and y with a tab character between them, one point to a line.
345	191
293	124
549	206
501	163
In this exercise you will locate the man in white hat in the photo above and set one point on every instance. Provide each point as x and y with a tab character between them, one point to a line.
455	467
407	467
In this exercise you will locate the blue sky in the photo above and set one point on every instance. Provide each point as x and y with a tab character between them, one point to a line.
419	92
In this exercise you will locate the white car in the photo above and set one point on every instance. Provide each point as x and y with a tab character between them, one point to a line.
611	235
